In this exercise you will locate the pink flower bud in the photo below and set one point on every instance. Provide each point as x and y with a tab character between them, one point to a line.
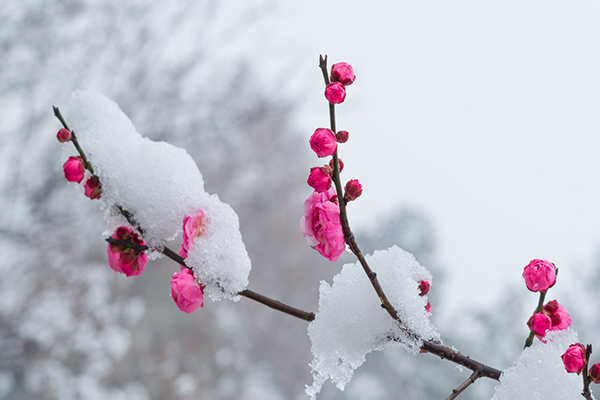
428	307
319	179
321	225
540	275
194	226
92	188
186	293
559	316
63	135
123	259
342	72
340	163
353	190
342	136
335	93
595	373
574	358
539	323
323	142
424	288
74	169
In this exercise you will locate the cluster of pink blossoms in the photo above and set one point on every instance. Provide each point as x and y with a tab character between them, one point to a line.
130	258
320	224
539	276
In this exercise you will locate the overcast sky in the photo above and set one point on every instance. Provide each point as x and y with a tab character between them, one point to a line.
483	115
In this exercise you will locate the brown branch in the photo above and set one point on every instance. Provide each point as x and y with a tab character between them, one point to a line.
348	235
86	163
471	379
586	377
454	356
538	310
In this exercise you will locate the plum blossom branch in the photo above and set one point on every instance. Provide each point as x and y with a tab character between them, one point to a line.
86	163
348	235
471	379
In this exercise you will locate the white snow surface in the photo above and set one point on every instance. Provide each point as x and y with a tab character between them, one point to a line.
159	184
539	373
351	323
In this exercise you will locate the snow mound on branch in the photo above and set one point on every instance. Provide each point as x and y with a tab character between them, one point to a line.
351	323
159	184
539	373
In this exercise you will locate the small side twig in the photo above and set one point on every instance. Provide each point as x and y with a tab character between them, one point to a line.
586	377
471	379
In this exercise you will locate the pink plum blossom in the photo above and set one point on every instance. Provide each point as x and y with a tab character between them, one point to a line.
319	179
353	190
194	226
343	73
123	259
186	293
559	316
63	135
595	373
539	324
92	188
321	225
335	93
342	136
323	142
423	287
574	358
74	169
540	275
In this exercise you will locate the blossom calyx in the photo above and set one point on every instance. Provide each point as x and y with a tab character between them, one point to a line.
539	275
340	164
323	142
574	358
335	93
343	73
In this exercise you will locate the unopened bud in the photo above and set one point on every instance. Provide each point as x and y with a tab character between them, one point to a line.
323	142
63	135
595	373
342	72
342	136
92	188
335	93
423	287
353	190
73	169
319	179
340	163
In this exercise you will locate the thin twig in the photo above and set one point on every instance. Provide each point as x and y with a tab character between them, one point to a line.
86	163
586	377
471	379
